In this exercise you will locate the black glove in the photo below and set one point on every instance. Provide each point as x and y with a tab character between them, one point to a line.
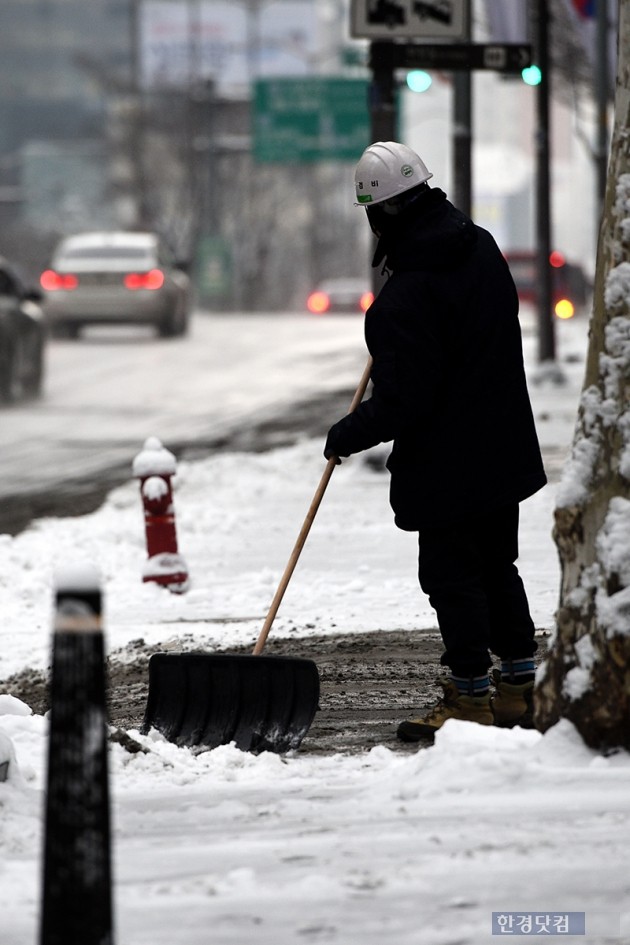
355	432
334	447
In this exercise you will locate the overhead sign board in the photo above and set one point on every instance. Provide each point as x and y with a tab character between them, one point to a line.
310	119
184	43
409	19
500	57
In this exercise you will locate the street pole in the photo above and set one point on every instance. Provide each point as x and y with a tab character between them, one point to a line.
462	142
382	105
602	96
137	120
546	326
382	92
462	136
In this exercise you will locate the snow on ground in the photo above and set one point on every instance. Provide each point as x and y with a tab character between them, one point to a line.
225	847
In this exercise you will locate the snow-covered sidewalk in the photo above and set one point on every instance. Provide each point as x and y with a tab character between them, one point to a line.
374	849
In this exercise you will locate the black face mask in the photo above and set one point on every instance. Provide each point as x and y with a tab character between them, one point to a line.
383	243
384	225
384	217
373	217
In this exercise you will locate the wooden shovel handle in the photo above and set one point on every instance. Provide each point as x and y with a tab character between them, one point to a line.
308	521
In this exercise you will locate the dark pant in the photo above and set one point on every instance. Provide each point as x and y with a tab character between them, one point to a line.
467	570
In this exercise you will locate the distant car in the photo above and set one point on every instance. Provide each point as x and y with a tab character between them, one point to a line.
340	295
115	278
22	337
569	286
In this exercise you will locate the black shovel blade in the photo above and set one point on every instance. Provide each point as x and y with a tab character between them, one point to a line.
261	703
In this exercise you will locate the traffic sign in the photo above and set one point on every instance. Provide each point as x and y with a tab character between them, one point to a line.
410	19
500	57
310	119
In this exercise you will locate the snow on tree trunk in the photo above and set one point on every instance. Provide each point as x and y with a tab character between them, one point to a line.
586	677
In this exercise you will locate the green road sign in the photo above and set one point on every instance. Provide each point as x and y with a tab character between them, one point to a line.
313	119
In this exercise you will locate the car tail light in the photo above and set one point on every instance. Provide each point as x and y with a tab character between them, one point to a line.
52	281
318	303
564	309
366	300
557	259
153	279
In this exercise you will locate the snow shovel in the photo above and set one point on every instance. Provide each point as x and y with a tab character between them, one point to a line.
261	703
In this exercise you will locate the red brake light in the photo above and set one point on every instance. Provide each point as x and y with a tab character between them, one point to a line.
51	281
318	303
556	259
366	300
154	279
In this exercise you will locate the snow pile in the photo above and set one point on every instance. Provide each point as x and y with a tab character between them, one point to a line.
379	848
360	850
154	460
350	850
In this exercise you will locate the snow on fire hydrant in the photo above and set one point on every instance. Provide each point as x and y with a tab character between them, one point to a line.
155	466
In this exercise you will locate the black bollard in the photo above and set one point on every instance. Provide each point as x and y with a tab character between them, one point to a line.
77	898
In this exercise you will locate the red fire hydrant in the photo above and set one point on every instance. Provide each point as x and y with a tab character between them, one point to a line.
154	466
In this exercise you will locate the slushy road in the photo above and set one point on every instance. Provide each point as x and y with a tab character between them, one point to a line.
108	391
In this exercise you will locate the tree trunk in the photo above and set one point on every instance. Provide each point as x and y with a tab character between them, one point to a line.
586	677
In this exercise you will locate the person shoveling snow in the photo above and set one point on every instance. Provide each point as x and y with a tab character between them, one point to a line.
449	389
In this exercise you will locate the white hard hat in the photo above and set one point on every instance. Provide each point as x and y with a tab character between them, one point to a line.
387	169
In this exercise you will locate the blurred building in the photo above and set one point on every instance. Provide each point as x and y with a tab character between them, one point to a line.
59	60
140	113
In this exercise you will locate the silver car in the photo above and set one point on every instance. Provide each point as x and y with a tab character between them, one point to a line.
117	279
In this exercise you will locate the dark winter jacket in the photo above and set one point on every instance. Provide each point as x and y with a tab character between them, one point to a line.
448	378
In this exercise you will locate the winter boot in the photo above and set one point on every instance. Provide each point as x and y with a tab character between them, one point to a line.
452	705
512	704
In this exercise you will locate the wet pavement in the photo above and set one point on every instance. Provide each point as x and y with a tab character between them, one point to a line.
237	382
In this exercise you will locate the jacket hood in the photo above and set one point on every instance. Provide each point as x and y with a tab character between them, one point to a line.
432	234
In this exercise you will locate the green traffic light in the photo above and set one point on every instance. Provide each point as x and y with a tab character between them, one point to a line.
531	75
418	80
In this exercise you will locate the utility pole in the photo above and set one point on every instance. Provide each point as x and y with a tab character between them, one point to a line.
462	142
382	104
602	89
382	91
462	134
546	326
